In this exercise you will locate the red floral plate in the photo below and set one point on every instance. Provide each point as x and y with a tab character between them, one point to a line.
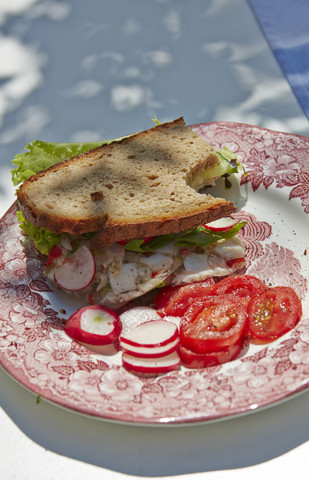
273	197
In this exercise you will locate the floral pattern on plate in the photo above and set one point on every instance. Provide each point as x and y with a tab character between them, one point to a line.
35	350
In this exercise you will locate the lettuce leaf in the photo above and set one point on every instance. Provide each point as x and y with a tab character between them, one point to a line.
44	239
204	237
188	239
42	155
139	245
229	161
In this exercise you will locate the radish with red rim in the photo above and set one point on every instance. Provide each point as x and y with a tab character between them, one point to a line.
94	327
151	347
222	224
77	271
150	352
155	333
151	366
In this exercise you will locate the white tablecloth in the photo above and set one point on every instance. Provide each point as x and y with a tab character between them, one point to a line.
98	69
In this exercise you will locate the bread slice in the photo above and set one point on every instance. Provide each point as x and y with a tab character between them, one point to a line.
132	188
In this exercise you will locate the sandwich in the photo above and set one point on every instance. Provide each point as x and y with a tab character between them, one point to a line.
122	218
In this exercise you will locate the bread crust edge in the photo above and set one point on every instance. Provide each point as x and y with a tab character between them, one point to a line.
119	232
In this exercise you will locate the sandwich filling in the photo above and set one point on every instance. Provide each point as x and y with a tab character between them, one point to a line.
125	271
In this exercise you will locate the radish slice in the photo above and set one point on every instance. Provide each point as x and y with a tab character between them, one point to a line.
150	352
222	224
172	319
155	333
77	271
94	325
150	365
135	316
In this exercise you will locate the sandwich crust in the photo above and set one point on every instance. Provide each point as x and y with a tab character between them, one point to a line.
132	188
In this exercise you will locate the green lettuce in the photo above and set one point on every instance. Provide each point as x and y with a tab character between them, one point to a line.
190	238
228	161
44	239
42	155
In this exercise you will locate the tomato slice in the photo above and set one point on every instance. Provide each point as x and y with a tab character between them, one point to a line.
176	300
213	323
191	359
55	252
244	286
273	313
165	295
148	239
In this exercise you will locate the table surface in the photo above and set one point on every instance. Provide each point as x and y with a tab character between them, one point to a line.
73	71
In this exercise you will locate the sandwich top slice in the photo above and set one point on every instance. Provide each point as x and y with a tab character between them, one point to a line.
133	188
135	204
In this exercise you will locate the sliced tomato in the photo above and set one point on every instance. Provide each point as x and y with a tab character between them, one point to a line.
244	286
165	294
213	323
273	313
55	252
191	359
176	300
148	239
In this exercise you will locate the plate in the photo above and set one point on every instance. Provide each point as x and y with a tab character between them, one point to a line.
273	197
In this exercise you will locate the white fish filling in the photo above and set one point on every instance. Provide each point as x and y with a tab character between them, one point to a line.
211	263
157	262
148	274
125	280
122	275
230	249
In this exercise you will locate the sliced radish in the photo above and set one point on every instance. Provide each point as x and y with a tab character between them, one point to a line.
150	352
77	271
150	365
135	316
172	319
222	224
95	325
155	333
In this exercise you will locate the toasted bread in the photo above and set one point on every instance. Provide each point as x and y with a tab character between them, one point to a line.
132	188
